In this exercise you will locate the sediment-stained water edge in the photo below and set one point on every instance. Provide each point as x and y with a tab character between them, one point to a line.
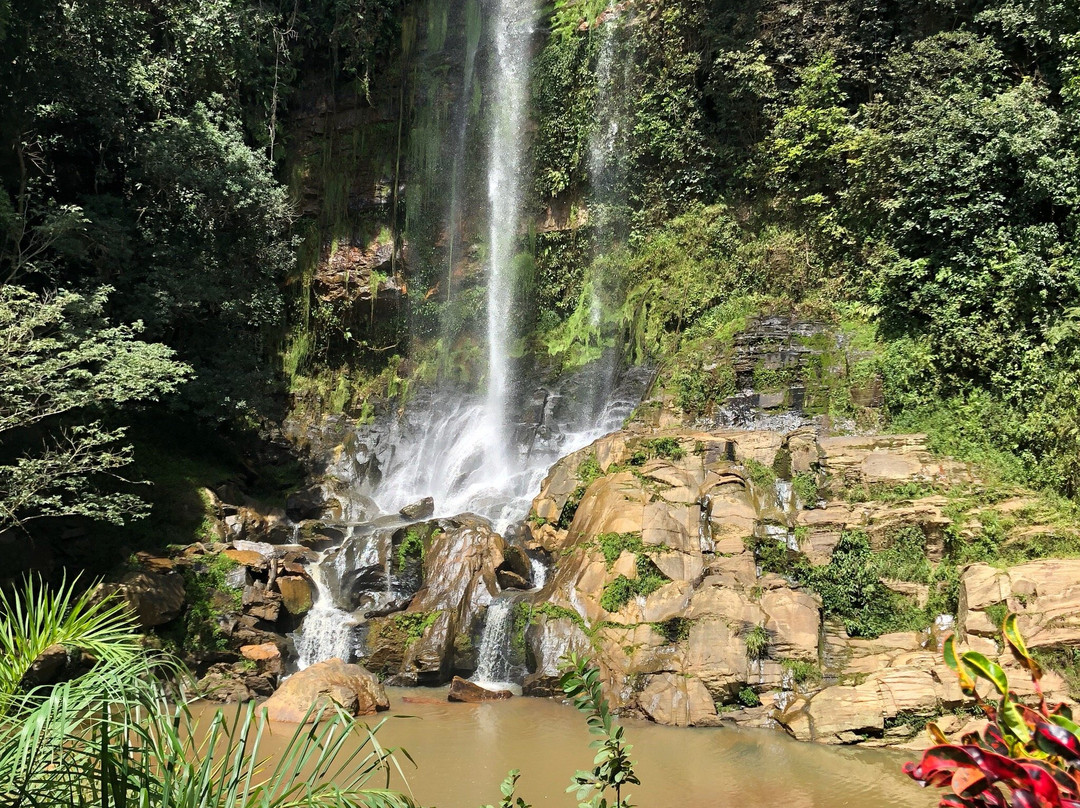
463	752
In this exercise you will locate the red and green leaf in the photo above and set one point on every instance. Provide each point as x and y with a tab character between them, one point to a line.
982	666
1056	740
1015	640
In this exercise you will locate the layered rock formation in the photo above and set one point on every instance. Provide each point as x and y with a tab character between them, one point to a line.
657	541
681	561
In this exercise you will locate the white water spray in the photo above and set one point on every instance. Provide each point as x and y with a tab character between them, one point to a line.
328	631
513	23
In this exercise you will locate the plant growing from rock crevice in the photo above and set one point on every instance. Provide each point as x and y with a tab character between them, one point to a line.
411	547
757	643
587	473
622	590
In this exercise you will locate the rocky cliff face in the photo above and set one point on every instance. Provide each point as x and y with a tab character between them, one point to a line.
663	542
796	580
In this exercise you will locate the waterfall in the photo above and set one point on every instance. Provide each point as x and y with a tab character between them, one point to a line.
513	24
437	447
473	26
608	140
327	630
493	668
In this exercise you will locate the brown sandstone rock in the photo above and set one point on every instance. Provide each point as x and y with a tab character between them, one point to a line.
680	701
222	684
614	504
266	656
296	594
155	599
247	558
462	690
794	622
353	687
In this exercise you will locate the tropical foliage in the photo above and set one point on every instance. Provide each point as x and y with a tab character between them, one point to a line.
96	728
63	366
1026	757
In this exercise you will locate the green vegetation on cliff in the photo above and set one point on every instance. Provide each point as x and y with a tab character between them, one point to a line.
289	200
914	166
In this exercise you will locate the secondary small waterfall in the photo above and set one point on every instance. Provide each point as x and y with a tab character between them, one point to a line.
328	631
609	138
454	225
493	665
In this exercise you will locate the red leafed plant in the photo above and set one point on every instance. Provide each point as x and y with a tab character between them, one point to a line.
1025	758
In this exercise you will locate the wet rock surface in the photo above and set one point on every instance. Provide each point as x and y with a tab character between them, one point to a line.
463	690
701	625
654	538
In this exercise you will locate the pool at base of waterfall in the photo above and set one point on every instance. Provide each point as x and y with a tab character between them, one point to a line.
463	752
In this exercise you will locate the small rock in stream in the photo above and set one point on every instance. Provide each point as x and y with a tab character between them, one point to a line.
419	510
465	691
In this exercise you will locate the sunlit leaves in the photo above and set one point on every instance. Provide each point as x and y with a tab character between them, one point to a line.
1025	758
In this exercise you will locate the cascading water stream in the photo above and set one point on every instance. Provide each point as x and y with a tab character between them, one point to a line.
513	23
608	140
328	631
493	668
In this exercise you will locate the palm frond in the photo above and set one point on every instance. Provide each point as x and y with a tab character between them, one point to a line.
110	738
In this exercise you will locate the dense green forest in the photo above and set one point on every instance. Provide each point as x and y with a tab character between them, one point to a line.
909	165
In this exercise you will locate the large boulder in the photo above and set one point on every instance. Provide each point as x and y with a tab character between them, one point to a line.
296	594
421	509
465	691
353	687
680	701
155	598
311	503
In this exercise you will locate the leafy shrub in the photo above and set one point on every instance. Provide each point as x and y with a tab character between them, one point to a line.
414	624
657	447
759	474
851	589
614	768
1024	758
587	473
612	545
801	670
554	612
677	629
806	489
110	736
620	591
748	697
412	546
208	598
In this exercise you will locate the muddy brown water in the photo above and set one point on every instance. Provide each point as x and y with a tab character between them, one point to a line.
463	752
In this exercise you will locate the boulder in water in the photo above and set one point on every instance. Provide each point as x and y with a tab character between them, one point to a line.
353	687
419	510
511	580
469	692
